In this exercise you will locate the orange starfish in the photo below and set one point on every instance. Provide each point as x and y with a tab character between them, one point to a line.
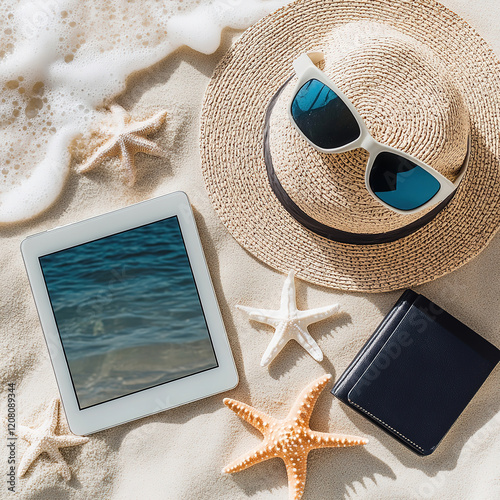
290	439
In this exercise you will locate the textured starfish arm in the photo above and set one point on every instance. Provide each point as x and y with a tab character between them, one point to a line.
25	432
119	112
29	457
54	414
291	439
151	124
143	145
288	296
126	141
304	405
272	318
309	344
324	440
254	417
108	150
318	314
70	440
279	340
63	467
296	469
260	454
129	163
44	439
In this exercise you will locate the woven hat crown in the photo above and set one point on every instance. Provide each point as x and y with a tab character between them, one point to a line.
422	79
407	99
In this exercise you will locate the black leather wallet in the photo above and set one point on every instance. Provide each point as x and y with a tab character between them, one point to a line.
417	372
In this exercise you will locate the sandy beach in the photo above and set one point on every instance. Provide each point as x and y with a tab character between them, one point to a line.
179	454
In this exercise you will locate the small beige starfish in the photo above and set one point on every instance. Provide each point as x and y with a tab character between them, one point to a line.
44	439
290	323
127	139
290	439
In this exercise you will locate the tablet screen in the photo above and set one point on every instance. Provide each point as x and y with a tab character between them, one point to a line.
128	312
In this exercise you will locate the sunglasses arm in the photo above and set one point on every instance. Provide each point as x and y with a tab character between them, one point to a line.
465	164
305	61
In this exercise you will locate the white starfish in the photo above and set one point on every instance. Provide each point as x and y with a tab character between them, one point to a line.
44	439
127	139
290	323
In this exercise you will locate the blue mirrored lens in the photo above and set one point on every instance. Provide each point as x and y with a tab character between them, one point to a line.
401	183
323	117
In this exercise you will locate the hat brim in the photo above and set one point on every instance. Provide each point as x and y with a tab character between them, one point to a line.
233	161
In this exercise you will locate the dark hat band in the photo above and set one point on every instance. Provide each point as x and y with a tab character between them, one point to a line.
321	229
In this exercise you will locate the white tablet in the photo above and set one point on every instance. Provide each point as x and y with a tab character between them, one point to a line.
129	313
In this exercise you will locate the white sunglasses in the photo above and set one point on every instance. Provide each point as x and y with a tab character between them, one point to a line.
329	122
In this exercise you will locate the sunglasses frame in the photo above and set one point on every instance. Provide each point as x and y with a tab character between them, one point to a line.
305	70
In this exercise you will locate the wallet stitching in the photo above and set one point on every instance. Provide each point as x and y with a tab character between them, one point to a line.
387	425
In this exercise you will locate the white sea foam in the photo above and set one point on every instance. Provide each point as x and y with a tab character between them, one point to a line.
61	59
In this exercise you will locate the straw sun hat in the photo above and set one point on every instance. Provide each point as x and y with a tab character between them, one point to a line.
423	81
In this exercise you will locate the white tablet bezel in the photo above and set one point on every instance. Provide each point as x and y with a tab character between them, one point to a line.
155	399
